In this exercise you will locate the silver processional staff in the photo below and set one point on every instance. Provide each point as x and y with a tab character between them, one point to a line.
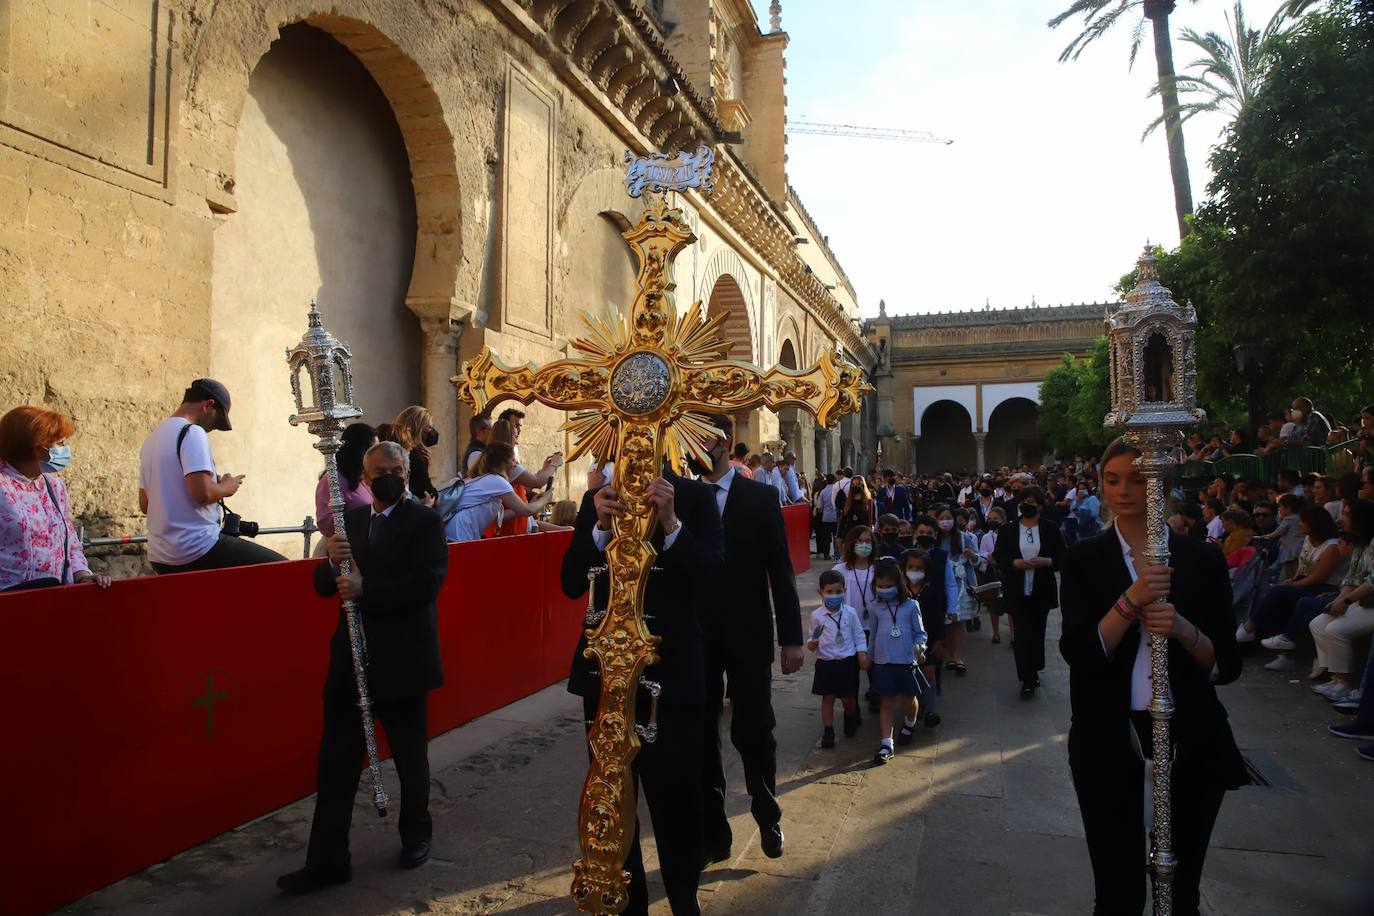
1154	398
331	408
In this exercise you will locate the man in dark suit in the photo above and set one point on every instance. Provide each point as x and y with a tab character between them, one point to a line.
683	587
739	644
399	559
900	500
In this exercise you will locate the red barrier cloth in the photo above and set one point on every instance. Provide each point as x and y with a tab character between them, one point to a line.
153	716
158	714
798	521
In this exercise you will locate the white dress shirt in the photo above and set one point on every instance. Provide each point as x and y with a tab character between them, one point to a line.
1029	539
722	489
1142	691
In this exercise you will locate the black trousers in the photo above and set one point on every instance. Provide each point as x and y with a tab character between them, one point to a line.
825	538
671	785
751	732
1111	798
340	768
1029	618
227	552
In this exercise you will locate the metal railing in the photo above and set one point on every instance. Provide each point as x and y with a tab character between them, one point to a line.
306	528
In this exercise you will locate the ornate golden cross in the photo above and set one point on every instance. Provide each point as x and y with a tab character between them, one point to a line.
640	395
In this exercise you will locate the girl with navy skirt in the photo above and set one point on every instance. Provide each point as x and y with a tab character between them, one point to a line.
899	643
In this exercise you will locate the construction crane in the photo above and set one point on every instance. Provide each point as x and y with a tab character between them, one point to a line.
864	133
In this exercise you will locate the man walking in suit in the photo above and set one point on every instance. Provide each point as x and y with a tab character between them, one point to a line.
682	589
399	562
739	645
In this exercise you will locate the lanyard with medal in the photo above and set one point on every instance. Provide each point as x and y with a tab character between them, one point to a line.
896	631
863	589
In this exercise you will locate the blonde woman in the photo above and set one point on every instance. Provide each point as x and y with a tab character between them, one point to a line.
413	429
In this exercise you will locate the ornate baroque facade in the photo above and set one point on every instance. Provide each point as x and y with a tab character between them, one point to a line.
183	178
959	390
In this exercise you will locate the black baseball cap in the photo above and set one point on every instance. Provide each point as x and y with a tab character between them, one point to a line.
207	389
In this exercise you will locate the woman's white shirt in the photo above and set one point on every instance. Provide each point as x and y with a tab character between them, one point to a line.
478	507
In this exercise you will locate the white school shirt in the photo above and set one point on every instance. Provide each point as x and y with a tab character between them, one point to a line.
841	636
722	489
1214	529
858	592
1029	539
179	531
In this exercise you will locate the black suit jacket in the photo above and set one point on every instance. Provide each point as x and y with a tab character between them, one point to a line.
1044	590
402	574
757	563
1094	576
685	588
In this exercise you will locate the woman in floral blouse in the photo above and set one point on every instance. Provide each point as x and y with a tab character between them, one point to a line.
39	544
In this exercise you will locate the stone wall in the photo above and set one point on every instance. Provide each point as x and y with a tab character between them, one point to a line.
145	249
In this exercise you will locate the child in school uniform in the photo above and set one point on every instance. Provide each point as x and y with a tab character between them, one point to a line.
899	643
914	563
841	650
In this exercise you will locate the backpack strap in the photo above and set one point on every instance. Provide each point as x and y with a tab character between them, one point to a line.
181	437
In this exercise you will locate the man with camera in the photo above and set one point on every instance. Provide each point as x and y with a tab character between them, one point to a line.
181	493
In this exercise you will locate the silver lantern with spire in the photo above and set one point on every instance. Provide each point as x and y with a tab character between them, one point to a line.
1154	398
327	363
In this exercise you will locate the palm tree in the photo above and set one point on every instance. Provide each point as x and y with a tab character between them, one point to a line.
1098	18
1233	66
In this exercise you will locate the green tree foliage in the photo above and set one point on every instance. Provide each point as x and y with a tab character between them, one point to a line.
1283	251
1074	397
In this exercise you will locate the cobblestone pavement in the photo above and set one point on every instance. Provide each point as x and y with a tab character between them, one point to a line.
977	816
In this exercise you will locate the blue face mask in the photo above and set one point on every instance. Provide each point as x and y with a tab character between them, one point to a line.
59	456
833	602
888	594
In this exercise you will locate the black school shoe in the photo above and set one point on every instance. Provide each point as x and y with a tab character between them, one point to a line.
828	739
883	756
851	724
313	878
904	735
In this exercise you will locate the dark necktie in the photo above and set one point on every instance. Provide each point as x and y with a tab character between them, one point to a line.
374	528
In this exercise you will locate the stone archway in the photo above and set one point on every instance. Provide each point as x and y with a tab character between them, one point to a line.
227	50
947	442
325	206
726	295
1012	437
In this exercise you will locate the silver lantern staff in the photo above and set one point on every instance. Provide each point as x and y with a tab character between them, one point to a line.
1154	398
331	388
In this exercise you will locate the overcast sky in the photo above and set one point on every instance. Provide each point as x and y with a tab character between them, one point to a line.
1046	191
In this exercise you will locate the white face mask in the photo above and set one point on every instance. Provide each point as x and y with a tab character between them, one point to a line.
915	576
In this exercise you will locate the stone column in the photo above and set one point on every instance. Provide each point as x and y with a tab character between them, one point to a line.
438	365
822	437
980	439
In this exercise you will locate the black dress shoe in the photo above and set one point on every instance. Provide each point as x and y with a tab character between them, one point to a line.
313	878
1027	691
415	855
771	841
717	853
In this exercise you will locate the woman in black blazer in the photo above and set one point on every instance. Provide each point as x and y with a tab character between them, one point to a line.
1111	601
1027	553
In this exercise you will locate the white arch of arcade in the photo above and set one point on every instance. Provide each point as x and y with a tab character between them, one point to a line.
997	420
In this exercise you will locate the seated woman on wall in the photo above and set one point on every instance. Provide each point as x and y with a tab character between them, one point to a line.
489	496
1320	570
1111	601
39	543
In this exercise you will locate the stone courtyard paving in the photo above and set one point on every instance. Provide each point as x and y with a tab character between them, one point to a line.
976	817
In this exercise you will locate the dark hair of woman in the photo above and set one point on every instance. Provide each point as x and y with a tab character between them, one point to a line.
1362	520
495	457
1321	527
887	568
357	439
852	538
1348	487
